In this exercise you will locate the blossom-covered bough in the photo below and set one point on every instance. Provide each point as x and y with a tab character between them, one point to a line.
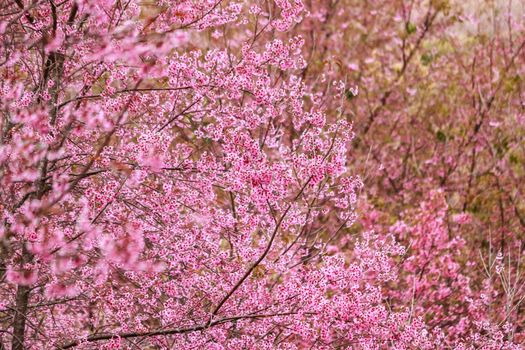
180	175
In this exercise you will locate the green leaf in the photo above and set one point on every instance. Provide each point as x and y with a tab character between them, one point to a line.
411	28
349	94
426	59
441	136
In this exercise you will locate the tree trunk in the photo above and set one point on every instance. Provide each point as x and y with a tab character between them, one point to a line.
19	325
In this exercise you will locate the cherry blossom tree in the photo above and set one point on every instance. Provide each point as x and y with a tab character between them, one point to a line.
226	174
169	180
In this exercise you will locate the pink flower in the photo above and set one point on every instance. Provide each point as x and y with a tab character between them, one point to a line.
24	277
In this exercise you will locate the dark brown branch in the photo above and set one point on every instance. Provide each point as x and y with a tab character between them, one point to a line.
79	98
28	16
108	336
72	14
263	255
179	114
